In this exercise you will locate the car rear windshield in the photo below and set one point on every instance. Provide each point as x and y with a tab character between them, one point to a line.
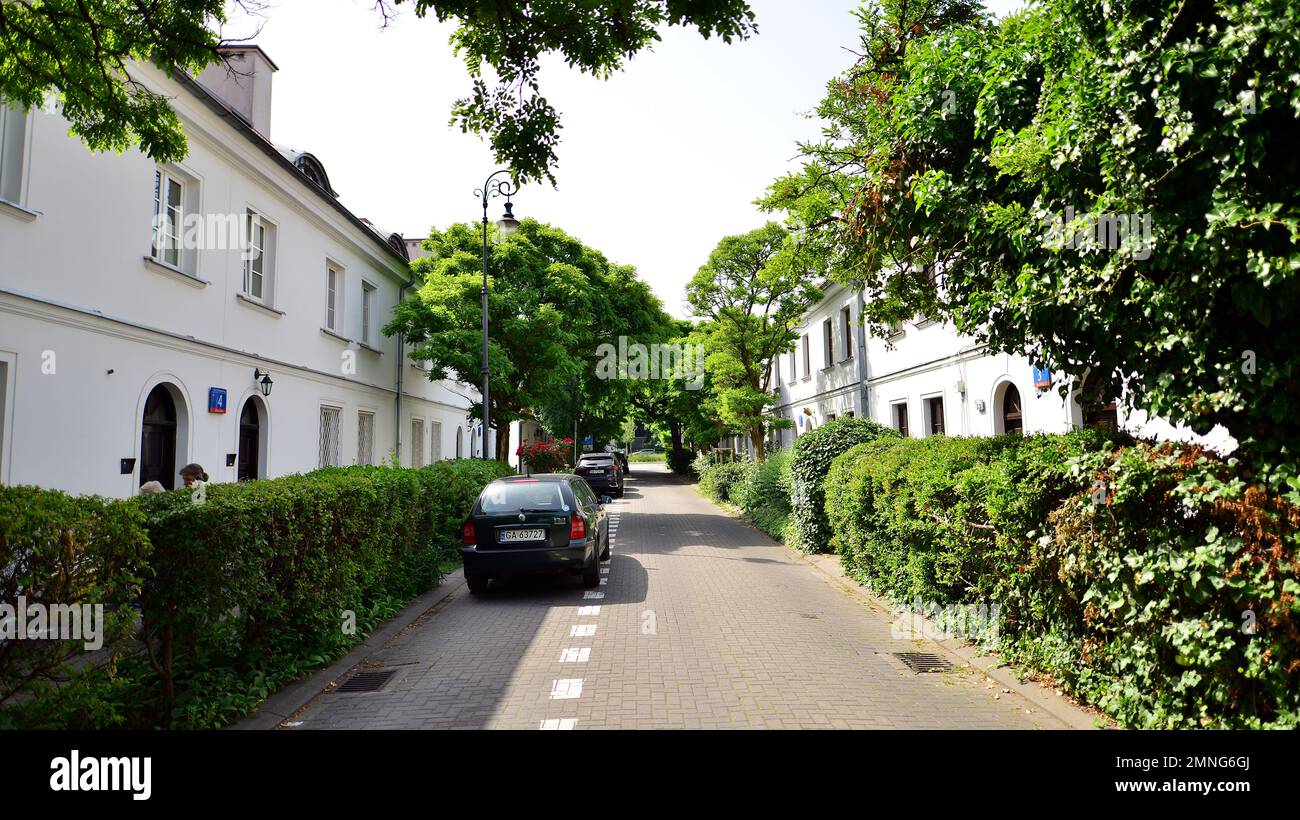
596	460
513	496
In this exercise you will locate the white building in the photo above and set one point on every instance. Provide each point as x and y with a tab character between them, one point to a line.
127	352
927	379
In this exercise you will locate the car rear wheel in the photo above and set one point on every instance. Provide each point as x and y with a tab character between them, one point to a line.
604	555
591	573
477	584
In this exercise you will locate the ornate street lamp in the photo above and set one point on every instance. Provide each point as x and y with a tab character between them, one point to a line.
507	225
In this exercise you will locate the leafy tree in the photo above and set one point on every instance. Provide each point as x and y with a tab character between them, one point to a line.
752	292
946	179
538	281
680	410
80	49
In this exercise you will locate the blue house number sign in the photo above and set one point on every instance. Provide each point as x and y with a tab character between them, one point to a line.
216	399
1042	378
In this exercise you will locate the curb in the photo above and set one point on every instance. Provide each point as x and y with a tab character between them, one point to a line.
1073	715
292	698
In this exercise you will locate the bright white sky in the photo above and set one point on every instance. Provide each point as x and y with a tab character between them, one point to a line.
656	165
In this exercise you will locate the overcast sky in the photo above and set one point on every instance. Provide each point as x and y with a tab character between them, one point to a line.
656	164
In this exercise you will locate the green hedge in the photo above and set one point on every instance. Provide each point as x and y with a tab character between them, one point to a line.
262	581
719	480
57	549
764	494
811	457
1123	573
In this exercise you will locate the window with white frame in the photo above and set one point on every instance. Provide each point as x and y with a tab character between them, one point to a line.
13	150
846	321
417	442
367	312
333	292
900	417
330	436
807	357
794	371
365	437
934	415
828	342
168	217
259	257
435	441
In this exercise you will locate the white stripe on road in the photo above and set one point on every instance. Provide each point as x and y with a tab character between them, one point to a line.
558	724
592	595
582	631
588	610
566	689
575	655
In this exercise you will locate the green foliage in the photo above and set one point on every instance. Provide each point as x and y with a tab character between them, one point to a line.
57	549
720	481
1125	575
647	458
77	52
540	281
753	292
953	145
679	461
764	495
253	587
810	460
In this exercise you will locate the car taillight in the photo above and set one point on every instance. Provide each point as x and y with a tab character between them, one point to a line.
577	528
468	536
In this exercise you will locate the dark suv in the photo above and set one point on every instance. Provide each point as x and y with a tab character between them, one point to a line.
542	523
603	472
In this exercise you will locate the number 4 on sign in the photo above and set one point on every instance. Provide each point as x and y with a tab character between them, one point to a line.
1100	493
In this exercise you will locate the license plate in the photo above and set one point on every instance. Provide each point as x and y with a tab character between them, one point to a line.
510	536
595	472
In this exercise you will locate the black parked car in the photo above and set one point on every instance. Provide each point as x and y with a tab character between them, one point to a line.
603	471
541	523
621	458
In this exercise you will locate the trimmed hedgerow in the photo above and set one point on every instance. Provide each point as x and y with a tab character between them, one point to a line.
58	550
811	459
251	585
1156	582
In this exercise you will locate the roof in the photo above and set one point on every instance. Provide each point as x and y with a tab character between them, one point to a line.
393	243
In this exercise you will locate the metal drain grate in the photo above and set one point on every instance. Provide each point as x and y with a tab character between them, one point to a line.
369	681
924	662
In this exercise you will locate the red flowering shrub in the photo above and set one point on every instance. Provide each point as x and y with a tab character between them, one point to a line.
546	455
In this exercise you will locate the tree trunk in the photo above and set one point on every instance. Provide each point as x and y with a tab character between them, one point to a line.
503	444
675	432
756	438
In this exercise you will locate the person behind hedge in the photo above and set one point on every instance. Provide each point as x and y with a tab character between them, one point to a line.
191	473
151	487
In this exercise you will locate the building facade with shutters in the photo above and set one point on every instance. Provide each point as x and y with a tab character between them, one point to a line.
225	309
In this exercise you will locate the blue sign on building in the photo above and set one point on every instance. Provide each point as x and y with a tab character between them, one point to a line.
216	399
589	441
1042	377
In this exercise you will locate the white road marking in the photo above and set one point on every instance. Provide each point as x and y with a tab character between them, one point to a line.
575	655
558	724
604	581
566	689
588	610
582	631
592	595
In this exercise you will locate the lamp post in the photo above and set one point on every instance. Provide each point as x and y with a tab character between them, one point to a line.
507	225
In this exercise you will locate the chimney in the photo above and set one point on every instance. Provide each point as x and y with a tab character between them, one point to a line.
243	81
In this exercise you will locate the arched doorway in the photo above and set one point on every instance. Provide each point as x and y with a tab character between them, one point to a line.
250	442
158	439
460	441
1013	416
